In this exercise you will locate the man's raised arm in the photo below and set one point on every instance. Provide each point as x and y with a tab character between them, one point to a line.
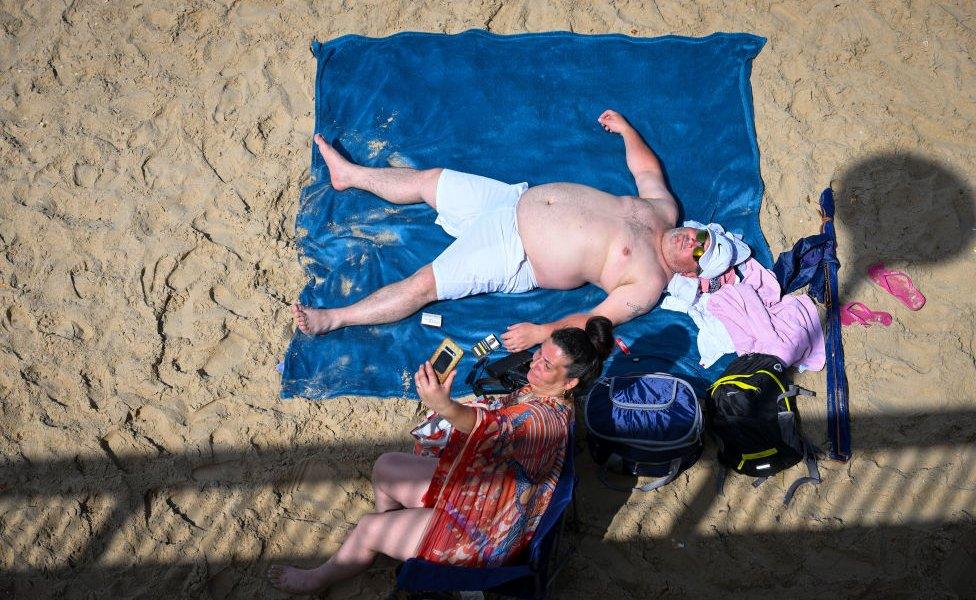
621	305
641	160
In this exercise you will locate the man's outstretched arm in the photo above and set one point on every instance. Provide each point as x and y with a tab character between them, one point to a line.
621	305
641	160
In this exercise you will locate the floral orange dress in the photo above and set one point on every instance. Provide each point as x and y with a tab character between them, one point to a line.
492	486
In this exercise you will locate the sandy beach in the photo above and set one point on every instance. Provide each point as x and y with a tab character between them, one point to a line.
151	158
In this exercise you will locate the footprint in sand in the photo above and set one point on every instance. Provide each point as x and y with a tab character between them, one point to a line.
84	282
188	269
226	156
228	353
154	276
169	166
18	317
216	229
121	446
227	299
179	320
85	175
254	141
143	135
159	428
232	97
56	323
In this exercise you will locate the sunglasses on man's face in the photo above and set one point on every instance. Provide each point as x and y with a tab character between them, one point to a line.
701	237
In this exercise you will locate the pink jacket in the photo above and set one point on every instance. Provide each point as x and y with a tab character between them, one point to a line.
759	320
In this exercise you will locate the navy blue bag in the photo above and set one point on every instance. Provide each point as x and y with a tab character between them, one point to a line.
651	424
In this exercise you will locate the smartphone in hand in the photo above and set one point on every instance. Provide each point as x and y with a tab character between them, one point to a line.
445	358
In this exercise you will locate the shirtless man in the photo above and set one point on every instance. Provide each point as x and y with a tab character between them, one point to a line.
556	236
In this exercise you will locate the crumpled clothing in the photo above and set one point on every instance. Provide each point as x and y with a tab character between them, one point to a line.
711	285
758	319
684	295
804	265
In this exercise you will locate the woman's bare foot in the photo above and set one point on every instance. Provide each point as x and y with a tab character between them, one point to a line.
312	321
340	169
294	580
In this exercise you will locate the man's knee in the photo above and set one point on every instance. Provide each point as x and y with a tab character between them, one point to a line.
423	284
432	176
429	181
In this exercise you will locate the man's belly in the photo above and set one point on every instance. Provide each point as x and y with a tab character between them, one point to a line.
566	231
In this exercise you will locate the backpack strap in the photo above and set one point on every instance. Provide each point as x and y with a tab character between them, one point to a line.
489	386
675	468
720	477
735	380
792	392
774	378
813	472
477	371
732	380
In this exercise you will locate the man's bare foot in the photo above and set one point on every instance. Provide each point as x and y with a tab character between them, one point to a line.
312	321
340	169
294	580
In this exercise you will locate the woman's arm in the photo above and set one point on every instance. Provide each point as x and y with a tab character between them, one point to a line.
437	397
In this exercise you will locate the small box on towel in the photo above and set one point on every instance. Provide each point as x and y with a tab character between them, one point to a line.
430	319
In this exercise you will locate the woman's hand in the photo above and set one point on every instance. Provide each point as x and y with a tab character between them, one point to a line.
437	397
434	394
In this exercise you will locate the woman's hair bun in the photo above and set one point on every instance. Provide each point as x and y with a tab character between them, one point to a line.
600	332
586	349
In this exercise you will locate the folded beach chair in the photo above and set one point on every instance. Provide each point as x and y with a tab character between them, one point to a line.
530	576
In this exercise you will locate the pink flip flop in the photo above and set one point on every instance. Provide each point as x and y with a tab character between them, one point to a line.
897	284
855	313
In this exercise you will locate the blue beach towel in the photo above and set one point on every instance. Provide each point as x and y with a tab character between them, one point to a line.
514	108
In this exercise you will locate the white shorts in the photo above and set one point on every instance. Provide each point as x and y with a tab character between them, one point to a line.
487	255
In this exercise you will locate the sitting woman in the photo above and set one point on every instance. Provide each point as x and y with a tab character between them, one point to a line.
479	503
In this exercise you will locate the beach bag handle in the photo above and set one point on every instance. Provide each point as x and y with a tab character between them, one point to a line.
675	468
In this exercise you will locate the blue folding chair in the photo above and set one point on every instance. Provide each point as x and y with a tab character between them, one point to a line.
529	576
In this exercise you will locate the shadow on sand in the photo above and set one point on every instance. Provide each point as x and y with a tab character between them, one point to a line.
853	559
901	209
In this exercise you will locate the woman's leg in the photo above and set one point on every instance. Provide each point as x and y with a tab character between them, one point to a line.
396	533
400	480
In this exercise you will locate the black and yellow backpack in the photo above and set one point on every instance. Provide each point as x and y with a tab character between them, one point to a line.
752	414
